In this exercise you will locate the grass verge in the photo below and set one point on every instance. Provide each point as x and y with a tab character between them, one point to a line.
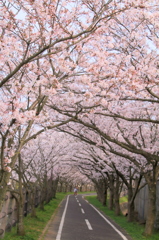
124	199
35	226
133	229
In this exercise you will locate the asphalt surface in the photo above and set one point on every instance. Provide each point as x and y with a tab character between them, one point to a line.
76	219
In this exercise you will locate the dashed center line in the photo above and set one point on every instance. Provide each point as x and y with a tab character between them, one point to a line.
88	224
82	210
79	204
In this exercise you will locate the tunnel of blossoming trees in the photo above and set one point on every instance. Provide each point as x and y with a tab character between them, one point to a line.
79	96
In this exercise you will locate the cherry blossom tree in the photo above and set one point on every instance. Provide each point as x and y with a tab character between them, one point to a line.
118	95
111	161
37	169
91	63
130	142
40	46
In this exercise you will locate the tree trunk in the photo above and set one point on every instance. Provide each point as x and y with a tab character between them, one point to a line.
131	212
101	188
151	211
54	187
104	200
111	200
117	196
4	178
131	193
48	192
61	186
42	199
3	187
20	224
111	188
66	186
102	196
32	202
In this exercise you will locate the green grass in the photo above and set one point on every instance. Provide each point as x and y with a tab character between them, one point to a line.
35	226
124	199
133	229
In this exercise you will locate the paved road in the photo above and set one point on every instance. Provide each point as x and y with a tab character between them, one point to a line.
78	220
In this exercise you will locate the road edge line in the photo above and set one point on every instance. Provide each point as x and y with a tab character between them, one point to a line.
120	233
58	237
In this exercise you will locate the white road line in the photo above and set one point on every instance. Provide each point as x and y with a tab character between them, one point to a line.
77	201
82	210
79	204
88	224
58	237
123	237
